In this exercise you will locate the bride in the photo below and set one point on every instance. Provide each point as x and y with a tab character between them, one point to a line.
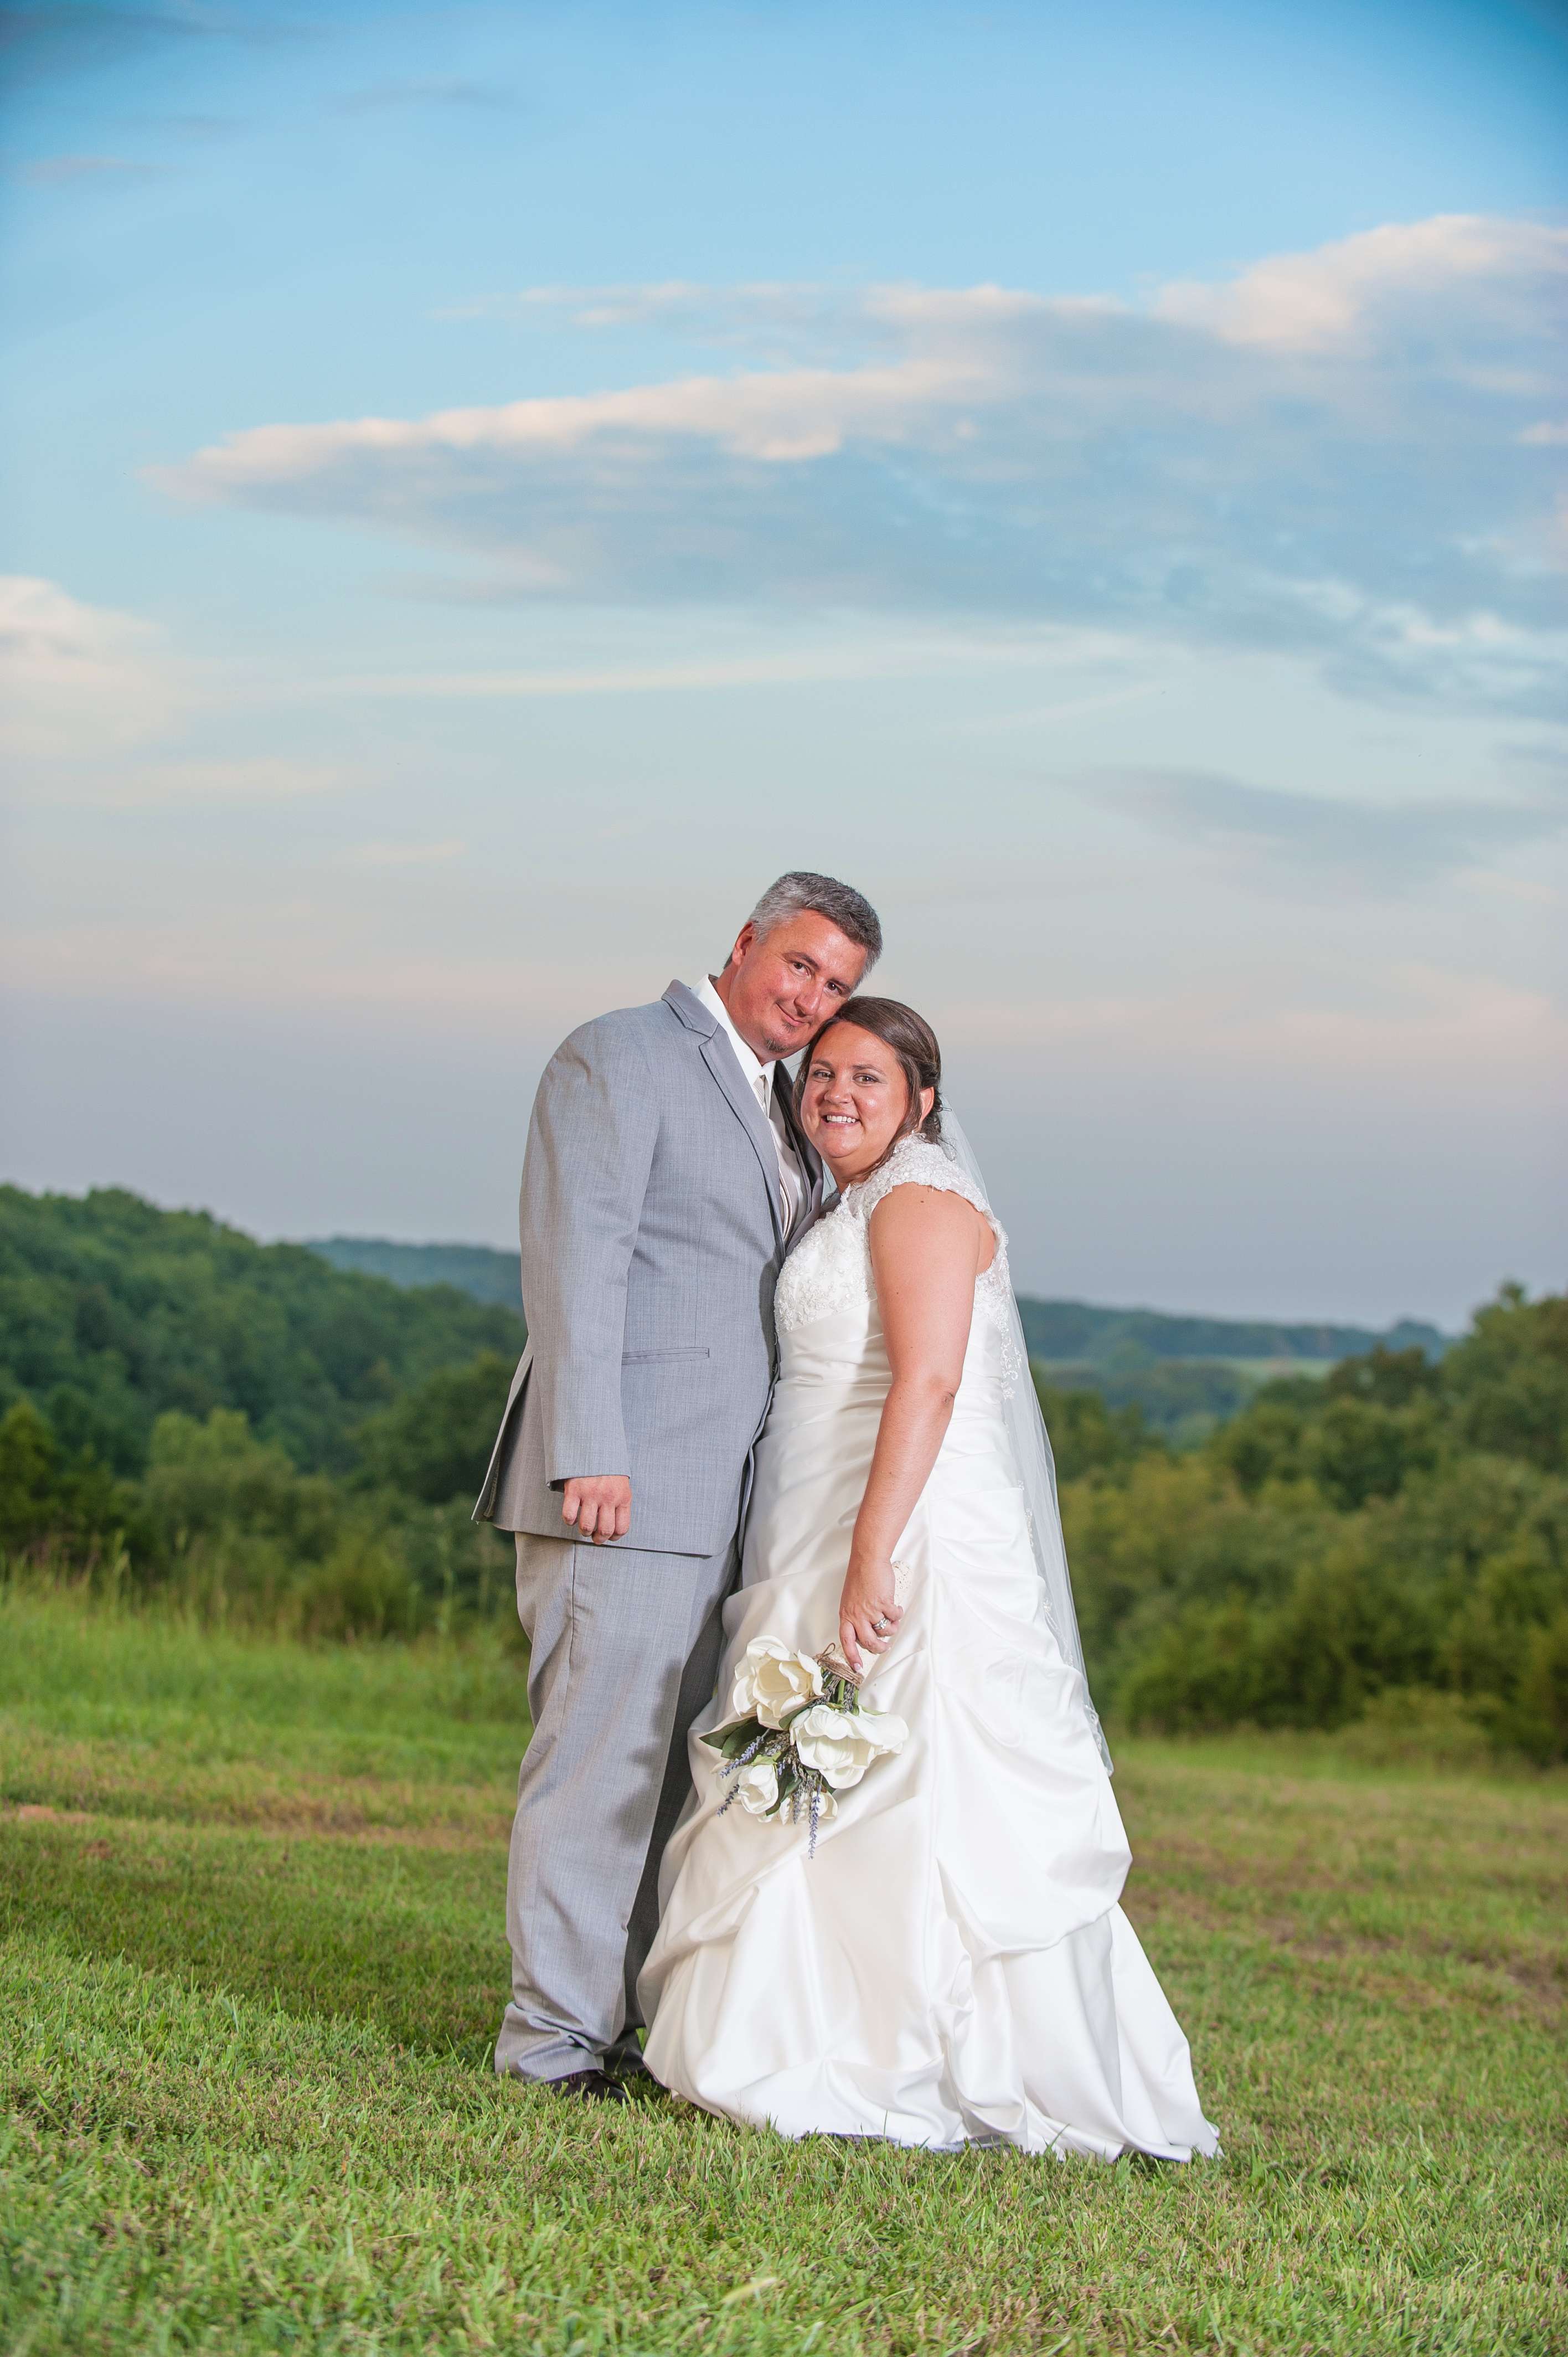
944	1960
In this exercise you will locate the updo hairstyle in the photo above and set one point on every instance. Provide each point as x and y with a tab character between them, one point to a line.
911	1039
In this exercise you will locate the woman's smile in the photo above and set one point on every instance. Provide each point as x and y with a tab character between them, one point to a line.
853	1099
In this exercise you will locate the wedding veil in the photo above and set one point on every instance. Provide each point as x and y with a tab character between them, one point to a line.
1037	1469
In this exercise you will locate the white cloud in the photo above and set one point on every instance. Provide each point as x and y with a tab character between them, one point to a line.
1385	846
1434	1025
1320	301
299	957
913	651
77	678
788	417
1335	454
96	711
1448	1036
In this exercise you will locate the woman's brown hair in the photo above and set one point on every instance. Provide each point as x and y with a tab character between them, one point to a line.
911	1039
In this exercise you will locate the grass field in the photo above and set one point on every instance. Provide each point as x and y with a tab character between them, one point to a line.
251	1968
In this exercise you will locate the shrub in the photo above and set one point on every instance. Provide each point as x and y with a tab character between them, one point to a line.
1087	1435
1323	1550
1508	1379
212	1479
434	1442
50	1497
1538	1721
1418	1726
1357	1450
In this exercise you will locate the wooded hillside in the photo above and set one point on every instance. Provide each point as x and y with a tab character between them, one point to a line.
112	1311
185	1411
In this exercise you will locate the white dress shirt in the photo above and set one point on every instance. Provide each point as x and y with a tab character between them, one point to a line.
759	1079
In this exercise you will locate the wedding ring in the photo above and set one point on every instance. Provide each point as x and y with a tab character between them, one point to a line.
879	1626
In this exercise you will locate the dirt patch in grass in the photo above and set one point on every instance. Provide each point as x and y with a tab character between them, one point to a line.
286	1826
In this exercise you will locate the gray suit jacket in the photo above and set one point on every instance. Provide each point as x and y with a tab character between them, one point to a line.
651	1242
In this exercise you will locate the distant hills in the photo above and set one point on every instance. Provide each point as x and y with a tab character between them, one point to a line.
488	1276
113	1312
1066	1334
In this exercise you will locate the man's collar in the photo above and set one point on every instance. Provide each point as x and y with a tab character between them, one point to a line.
751	1063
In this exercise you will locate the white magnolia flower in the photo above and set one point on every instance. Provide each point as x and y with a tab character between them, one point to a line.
884	1730
842	1744
757	1786
772	1679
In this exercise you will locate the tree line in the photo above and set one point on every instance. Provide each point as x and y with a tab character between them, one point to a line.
1394	1533
184	1410
273	1440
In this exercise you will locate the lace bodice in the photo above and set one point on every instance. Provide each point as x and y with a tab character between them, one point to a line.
830	1271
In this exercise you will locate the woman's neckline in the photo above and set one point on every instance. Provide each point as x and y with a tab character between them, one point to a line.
931	1145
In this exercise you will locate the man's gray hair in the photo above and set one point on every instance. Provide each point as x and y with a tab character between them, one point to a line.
823	896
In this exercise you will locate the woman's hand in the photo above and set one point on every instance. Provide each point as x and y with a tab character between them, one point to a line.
868	1611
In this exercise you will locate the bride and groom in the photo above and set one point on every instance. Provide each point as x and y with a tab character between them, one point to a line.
724	1378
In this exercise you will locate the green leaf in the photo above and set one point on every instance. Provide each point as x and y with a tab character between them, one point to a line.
735	1737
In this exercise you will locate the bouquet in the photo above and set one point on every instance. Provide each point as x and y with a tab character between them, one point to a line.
797	1736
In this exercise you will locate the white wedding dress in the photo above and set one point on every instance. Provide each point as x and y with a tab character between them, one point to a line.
951	1965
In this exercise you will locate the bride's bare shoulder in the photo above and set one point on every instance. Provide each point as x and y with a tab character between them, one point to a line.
919	1200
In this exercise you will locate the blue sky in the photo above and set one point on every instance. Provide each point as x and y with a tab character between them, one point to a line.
487	487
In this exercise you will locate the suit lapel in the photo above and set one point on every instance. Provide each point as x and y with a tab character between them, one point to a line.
719	1058
720	1061
806	1154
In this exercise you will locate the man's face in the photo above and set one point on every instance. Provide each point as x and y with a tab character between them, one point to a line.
779	988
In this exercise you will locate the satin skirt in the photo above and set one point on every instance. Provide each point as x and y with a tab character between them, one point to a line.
952	1964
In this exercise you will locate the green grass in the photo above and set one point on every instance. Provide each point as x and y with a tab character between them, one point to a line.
252	1965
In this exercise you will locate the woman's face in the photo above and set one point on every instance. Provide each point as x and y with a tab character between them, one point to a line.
855	1101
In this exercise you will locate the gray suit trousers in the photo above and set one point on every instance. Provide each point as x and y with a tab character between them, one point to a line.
626	1648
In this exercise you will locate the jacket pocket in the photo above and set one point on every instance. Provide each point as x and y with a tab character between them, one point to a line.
641	1358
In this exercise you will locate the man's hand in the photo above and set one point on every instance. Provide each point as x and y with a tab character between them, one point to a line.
598	1504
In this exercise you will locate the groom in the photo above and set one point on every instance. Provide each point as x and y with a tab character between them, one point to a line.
664	1176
